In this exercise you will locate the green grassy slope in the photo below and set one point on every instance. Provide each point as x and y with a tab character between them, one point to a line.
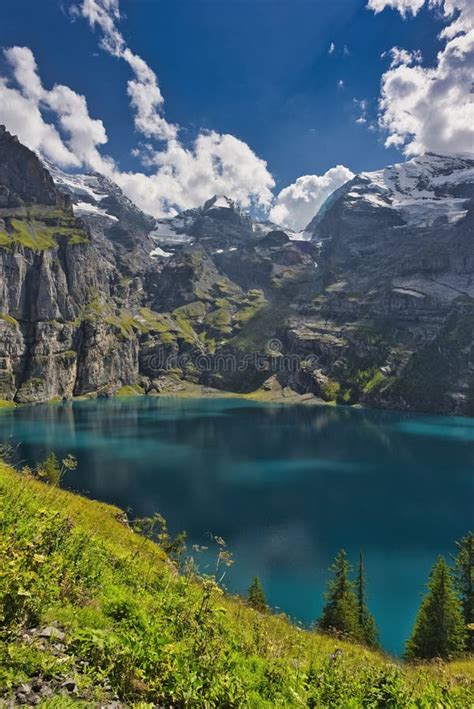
135	628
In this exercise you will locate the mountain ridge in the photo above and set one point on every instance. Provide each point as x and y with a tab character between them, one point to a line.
376	308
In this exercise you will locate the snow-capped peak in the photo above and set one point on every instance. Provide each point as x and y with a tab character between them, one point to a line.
87	191
424	177
421	190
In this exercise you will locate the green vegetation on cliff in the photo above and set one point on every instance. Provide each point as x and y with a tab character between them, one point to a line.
92	608
41	228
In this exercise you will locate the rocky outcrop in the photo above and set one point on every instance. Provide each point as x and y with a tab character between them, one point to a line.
54	282
22	177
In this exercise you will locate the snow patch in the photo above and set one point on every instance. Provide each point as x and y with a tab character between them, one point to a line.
86	209
156	253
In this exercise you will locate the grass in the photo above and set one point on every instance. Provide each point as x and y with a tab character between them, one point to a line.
153	635
375	382
220	320
4	404
40	230
9	319
130	390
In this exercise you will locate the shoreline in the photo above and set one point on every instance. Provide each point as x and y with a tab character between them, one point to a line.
187	390
269	393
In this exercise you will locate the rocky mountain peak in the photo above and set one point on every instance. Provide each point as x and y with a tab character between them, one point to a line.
219	202
218	221
23	178
417	193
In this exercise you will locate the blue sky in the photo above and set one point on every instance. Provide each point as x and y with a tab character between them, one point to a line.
259	70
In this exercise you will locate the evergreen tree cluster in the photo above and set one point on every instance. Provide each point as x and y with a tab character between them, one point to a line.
444	626
345	610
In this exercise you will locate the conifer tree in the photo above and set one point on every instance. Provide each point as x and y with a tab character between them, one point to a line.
439	626
340	611
464	571
366	620
256	596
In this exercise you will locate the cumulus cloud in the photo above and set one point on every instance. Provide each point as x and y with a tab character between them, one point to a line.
399	56
404	7
22	109
183	177
431	108
23	117
298	203
187	177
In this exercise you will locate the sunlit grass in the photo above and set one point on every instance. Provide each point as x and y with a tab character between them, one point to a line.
168	637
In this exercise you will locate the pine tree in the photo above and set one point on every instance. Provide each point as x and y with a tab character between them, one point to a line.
439	626
256	596
367	623
340	611
464	571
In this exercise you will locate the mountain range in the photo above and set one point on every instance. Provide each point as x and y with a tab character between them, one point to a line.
373	303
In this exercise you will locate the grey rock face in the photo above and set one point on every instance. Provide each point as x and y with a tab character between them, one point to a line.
396	255
120	230
377	304
22	177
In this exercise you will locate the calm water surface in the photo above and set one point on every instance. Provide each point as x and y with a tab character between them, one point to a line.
286	486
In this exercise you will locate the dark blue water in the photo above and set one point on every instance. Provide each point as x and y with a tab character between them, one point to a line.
285	486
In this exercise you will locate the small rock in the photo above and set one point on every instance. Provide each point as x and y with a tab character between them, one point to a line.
70	686
23	689
51	632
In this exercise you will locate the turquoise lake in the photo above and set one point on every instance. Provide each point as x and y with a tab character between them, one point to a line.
285	486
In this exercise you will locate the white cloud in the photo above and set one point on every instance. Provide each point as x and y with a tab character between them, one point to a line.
362	105
22	109
184	177
145	95
340	83
298	203
463	22
216	164
403	6
332	48
25	71
23	117
146	99
403	56
431	108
